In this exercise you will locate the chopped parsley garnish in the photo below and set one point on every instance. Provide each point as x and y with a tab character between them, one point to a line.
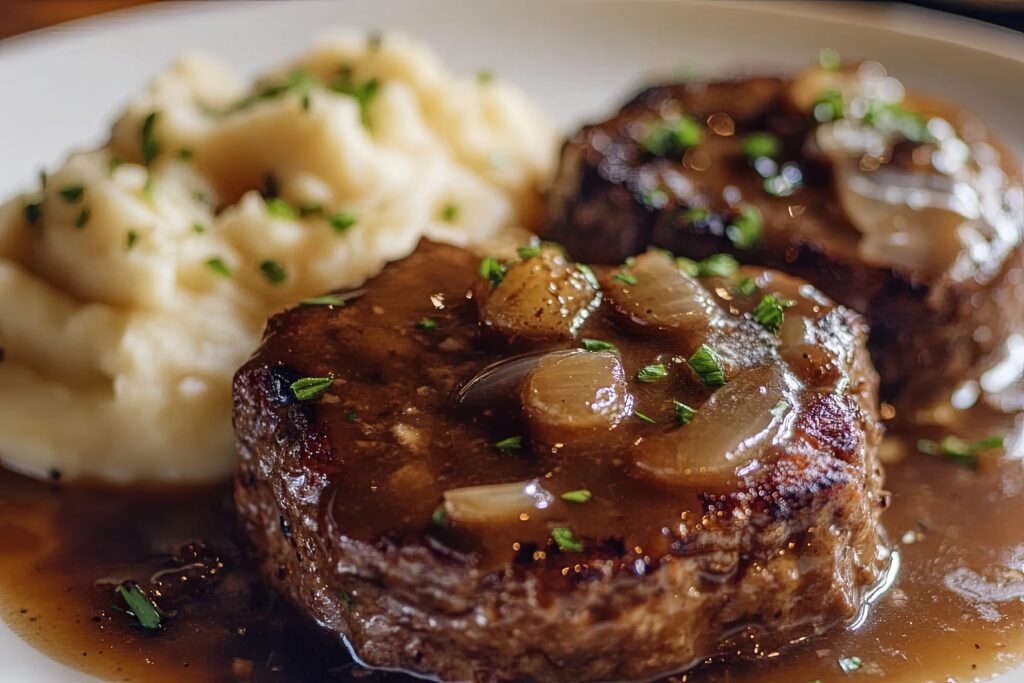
964	452
310	210
149	144
83	217
850	664
341	221
484	76
440	517
894	118
747	286
745	232
279	208
132	238
644	418
688	266
32	212
198	228
598	345
426	324
577	496
218	266
828	107
757	145
708	366
71	193
512	443
625	278
769	312
311	388
672	136
350	602
140	606
362	92
273	271
652	373
147	188
326	300
684	413
779	409
299	82
185	154
565	540
829	59
450	212
587	273
527	253
492	269
717	265
655	197
697	215
352	417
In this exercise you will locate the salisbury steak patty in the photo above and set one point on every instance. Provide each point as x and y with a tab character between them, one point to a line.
534	471
898	206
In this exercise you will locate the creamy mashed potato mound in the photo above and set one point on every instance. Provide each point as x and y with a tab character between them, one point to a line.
139	276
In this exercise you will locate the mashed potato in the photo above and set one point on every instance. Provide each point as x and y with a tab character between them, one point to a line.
139	276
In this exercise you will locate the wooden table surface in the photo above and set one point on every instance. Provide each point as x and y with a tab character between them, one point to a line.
18	16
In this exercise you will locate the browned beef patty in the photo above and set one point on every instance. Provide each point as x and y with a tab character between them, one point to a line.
905	210
556	474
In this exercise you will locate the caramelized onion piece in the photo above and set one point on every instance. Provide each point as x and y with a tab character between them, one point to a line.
575	394
544	297
496	503
654	294
730	430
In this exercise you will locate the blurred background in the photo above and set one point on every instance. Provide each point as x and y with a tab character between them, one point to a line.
18	16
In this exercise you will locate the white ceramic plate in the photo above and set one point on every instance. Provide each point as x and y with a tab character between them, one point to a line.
62	87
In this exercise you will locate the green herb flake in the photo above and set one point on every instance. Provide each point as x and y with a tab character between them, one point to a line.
688	266
850	664
963	451
198	228
512	443
147	187
450	213
828	107
374	39
684	413
352	417
362	92
326	300
72	193
279	208
625	278
598	345
696	215
769	312
565	540
306	102
311	388
527	253
577	496
644	418
746	231
273	271
113	166
32	212
83	217
218	266
829	59
484	76
895	118
311	210
131	238
779	409
492	269
440	517
426	324
341	221
348	601
708	366
762	144
672	136
747	286
652	373
718	265
140	606
185	154
149	144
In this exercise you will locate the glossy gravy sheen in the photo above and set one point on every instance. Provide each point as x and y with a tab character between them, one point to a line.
955	613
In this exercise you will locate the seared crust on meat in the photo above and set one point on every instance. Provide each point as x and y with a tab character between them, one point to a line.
337	495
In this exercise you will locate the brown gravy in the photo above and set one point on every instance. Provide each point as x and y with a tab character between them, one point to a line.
955	613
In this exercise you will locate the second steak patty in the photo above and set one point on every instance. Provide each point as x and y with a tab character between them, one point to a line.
533	471
900	207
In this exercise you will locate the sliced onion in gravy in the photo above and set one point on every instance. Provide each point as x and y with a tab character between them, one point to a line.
496	503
